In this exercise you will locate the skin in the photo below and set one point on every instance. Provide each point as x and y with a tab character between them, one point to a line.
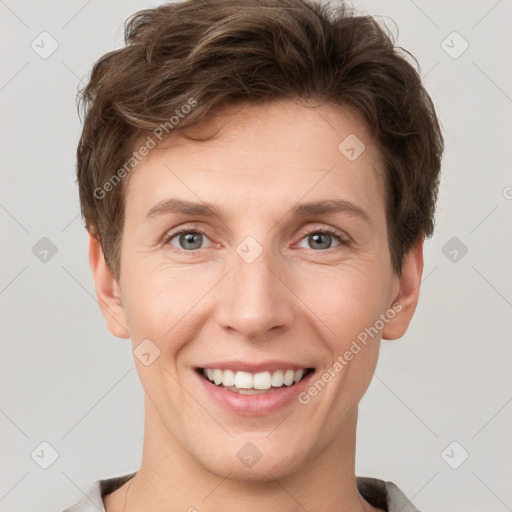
299	301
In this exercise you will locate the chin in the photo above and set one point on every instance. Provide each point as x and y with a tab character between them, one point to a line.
254	462
262	471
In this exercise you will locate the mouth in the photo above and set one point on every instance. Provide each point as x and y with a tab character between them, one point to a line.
254	383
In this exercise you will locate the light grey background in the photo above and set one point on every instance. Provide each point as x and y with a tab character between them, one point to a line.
66	381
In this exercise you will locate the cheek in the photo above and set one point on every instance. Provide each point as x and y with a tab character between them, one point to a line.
345	300
167	302
160	301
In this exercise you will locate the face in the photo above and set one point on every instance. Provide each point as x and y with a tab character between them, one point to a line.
271	280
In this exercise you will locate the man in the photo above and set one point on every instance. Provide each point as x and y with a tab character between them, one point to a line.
257	179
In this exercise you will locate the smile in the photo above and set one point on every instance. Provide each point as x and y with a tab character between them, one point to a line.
254	383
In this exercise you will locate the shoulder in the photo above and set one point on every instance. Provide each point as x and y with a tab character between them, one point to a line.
92	501
384	495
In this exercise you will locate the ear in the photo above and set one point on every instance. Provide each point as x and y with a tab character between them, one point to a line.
406	300
107	290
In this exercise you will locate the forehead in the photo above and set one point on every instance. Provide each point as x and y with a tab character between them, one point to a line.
263	155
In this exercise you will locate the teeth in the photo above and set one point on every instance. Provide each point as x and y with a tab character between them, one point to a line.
297	376
217	376
243	380
288	377
277	378
249	382
228	378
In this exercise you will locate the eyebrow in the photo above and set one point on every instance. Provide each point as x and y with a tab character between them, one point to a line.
299	210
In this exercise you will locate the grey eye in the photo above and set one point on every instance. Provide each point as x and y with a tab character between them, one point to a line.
321	240
188	240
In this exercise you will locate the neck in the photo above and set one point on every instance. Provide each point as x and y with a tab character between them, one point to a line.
170	479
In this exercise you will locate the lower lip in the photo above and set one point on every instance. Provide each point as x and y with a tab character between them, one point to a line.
254	405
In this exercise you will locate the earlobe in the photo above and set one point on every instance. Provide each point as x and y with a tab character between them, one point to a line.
107	290
406	300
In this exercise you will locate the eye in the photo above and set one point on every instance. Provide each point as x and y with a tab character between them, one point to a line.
322	238
187	239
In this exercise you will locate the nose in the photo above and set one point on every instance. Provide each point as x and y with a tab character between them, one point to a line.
253	299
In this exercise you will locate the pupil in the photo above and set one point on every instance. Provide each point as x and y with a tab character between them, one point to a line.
321	239
318	237
188	238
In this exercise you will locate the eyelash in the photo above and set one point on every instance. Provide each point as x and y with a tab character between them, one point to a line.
342	239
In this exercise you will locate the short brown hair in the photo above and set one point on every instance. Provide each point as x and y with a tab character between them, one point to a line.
222	52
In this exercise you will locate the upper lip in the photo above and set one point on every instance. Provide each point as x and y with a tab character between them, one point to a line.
244	366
